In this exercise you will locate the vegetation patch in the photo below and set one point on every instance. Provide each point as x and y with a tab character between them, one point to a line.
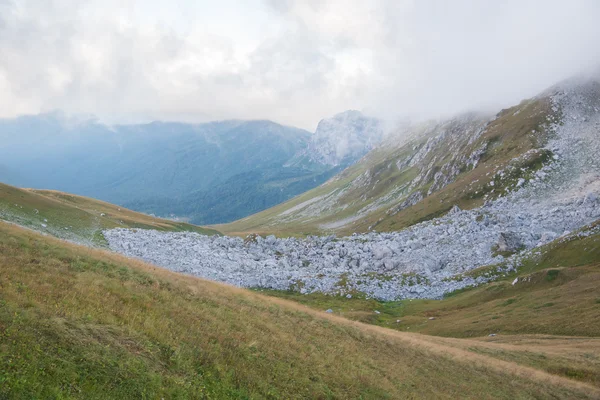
552	274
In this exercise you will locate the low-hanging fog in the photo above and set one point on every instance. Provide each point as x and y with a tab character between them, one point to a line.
291	61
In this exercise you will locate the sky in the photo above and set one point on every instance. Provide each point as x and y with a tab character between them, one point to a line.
290	61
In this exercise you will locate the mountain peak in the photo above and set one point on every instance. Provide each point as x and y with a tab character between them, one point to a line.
344	138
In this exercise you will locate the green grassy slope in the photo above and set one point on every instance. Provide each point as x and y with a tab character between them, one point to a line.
82	323
77	218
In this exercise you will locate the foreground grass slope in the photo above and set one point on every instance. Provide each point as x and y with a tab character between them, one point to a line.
77	218
82	323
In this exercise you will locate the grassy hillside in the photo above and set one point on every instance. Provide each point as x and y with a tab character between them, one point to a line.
418	175
83	323
76	218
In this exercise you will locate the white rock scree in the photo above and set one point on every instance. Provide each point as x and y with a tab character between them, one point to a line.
420	261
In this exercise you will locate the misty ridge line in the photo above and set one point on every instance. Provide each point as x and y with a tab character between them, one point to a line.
293	62
390	127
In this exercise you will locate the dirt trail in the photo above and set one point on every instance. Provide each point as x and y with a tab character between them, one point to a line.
456	349
556	345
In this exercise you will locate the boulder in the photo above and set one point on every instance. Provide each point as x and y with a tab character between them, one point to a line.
548	237
343	252
389	264
591	198
381	252
455	209
509	242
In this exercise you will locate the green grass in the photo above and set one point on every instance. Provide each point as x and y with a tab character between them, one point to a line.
82	323
77	218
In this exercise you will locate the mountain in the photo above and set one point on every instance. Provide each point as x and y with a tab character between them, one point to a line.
344	138
426	170
206	173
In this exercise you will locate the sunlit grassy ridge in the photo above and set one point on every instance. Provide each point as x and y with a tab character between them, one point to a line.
77	218
82	323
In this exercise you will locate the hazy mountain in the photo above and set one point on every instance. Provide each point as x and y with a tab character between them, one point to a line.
209	173
344	138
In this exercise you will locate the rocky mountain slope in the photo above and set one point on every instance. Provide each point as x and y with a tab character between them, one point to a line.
423	171
476	192
476	196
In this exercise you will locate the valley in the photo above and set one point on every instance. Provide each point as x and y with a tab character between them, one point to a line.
520	204
299	199
461	259
206	173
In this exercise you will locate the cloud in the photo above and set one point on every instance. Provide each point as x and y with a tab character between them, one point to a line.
292	61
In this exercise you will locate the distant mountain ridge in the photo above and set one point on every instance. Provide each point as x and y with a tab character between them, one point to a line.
207	173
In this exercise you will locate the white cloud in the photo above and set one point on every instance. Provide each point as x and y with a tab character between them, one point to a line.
292	61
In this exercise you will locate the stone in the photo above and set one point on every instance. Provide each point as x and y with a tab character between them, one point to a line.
381	252
455	209
548	236
591	198
389	264
509	242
